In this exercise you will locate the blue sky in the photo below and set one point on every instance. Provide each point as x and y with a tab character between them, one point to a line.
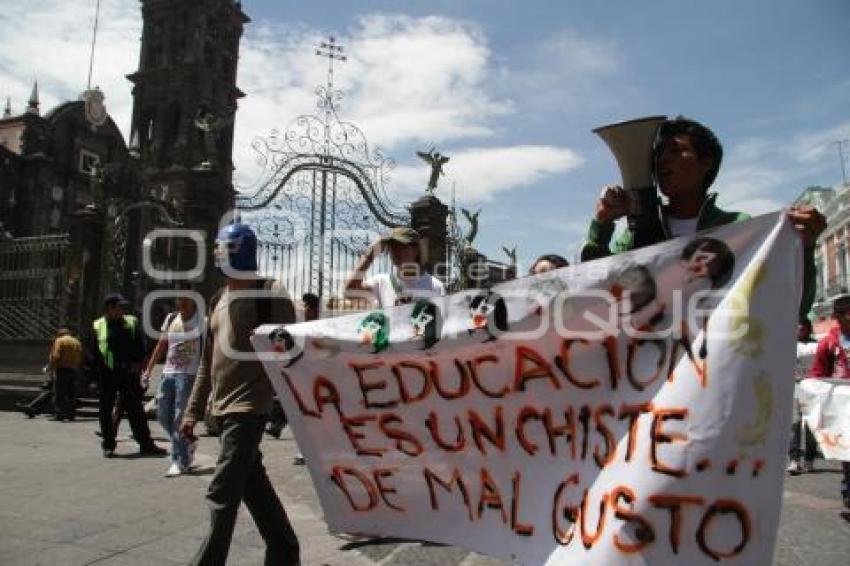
510	90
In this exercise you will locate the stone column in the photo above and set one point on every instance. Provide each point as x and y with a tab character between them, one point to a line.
83	270
428	217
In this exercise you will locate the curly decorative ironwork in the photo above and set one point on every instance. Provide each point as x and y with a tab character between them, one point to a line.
321	192
116	245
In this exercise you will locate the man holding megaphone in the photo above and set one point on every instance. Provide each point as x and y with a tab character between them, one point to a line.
685	159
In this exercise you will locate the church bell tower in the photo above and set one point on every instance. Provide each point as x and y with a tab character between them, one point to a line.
184	106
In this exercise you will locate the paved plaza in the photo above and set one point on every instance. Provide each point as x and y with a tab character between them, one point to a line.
63	504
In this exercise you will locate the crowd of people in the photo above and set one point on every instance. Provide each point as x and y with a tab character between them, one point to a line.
202	375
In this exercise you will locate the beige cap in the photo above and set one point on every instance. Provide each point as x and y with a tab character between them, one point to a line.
402	235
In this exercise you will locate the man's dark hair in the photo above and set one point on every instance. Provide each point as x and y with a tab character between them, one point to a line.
311	300
703	139
841	305
554	259
113	300
720	268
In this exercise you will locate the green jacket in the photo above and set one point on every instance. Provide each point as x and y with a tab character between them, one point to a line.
599	235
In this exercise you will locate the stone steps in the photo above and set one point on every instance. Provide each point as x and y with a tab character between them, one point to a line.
23	387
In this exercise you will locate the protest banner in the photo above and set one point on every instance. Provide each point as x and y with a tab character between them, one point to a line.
825	404
632	410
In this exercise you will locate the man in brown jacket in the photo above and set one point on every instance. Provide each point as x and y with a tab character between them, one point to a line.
242	399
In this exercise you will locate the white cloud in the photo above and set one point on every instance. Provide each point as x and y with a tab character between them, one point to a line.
408	81
752	206
574	55
815	147
51	40
763	173
478	174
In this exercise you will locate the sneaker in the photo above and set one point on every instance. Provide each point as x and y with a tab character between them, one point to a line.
152	450
174	470
108	453
795	468
809	466
299	460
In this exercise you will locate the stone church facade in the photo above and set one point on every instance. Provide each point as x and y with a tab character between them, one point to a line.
69	179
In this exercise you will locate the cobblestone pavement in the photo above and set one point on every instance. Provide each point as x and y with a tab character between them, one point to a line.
61	503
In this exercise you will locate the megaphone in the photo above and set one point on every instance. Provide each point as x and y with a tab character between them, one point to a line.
631	143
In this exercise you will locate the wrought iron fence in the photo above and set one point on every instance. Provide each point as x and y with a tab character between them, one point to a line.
290	263
32	286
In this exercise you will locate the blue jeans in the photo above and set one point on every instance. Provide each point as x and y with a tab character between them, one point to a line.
174	391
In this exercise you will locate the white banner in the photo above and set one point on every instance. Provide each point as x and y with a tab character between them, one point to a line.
825	404
632	410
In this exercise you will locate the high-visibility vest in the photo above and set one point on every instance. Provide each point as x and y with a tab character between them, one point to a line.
101	330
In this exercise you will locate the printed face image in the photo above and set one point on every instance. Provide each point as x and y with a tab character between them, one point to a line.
698	265
707	263
369	331
425	320
281	340
635	284
374	330
480	312
421	322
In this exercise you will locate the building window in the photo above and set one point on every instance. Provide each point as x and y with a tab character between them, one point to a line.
88	161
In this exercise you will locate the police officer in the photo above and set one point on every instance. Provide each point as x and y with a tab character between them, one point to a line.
117	350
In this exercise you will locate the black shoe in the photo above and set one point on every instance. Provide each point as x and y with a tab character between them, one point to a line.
275	432
25	409
108	452
152	450
845	515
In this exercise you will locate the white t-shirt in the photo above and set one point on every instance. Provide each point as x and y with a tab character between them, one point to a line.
391	290
805	358
682	226
184	346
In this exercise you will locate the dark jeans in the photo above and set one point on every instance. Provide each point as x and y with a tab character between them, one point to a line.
240	476
845	484
811	449
127	384
64	392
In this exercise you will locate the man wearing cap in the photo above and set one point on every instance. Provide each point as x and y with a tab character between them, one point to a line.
832	359
117	350
406	282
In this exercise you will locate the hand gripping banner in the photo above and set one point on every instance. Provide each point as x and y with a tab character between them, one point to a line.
631	410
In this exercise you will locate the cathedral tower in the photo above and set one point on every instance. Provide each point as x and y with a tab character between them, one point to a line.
184	105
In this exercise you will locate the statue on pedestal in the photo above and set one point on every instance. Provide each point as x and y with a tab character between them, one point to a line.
209	125
436	160
472	218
